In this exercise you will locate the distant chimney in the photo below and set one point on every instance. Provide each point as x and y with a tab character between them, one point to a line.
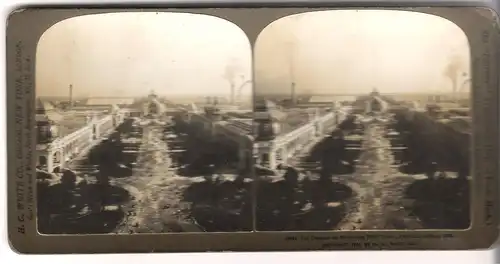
294	96
70	95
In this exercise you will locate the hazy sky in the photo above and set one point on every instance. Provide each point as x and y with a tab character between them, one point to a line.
129	54
354	51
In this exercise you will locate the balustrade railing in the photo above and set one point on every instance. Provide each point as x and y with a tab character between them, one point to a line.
105	124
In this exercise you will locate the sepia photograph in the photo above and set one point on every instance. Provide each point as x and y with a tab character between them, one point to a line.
203	129
144	125
362	122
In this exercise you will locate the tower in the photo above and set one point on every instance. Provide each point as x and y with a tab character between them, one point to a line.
70	99
265	126
46	129
293	94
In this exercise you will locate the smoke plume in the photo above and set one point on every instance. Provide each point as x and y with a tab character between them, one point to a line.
231	74
232	71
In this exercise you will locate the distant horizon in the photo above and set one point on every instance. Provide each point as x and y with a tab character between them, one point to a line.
272	93
349	94
129	97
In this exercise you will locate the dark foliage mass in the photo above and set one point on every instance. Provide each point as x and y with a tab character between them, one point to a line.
218	204
431	145
332	152
203	154
71	208
75	205
223	206
441	203
305	205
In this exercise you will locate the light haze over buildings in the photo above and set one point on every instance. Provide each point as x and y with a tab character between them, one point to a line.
130	54
349	51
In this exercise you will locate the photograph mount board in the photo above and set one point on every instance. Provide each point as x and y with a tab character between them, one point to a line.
228	206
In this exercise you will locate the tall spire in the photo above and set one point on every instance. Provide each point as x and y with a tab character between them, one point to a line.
70	99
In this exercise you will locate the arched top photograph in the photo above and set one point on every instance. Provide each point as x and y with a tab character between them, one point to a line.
403	79
145	104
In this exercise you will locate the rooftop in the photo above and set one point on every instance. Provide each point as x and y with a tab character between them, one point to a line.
263	105
71	122
461	124
242	126
293	119
43	106
330	98
110	101
278	115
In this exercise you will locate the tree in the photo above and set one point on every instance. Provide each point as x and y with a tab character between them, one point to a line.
451	72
